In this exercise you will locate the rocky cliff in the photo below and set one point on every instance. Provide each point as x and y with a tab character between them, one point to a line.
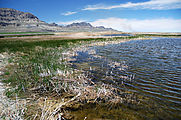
16	18
12	20
81	24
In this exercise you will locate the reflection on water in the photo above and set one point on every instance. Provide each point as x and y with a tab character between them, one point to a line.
150	68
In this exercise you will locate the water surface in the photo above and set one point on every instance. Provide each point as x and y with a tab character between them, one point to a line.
118	35
148	68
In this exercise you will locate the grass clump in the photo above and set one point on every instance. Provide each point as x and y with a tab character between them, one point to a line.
33	68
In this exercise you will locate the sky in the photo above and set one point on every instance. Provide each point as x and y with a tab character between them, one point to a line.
122	15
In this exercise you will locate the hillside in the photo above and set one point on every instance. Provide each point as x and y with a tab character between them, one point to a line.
12	20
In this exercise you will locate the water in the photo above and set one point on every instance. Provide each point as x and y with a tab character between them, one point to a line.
118	35
149	68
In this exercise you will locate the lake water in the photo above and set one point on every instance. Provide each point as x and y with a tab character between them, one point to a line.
118	35
148	68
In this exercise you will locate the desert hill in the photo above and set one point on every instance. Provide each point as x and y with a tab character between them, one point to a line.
12	20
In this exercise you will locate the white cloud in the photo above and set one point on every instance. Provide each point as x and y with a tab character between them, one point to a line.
70	22
152	4
68	13
135	25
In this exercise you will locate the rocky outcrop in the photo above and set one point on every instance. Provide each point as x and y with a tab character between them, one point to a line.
16	18
81	24
12	20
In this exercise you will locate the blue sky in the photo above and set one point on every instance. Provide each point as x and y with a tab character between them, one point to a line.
124	15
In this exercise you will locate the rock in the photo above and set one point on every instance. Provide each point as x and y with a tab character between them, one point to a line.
13	17
81	24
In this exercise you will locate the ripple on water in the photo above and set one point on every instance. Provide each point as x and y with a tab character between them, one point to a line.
155	64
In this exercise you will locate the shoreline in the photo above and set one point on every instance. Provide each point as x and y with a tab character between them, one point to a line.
76	80
80	35
82	79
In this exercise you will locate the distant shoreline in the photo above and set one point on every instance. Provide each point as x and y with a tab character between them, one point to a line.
78	35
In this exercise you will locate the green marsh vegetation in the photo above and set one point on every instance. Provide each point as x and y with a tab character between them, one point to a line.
159	35
30	59
24	34
20	32
40	68
37	67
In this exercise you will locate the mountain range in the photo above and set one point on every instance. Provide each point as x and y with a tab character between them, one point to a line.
12	20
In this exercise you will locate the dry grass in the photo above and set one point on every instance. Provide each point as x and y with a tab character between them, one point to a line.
44	71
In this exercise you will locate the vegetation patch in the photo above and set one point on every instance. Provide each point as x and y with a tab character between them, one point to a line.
40	70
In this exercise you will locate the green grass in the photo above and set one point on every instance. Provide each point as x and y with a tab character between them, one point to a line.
160	35
31	59
23	32
24	35
129	37
24	46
